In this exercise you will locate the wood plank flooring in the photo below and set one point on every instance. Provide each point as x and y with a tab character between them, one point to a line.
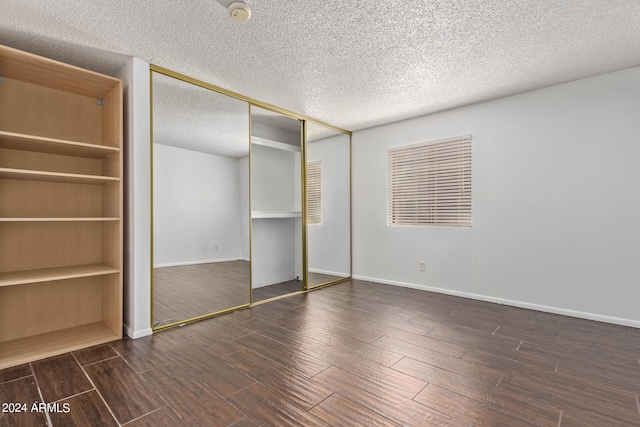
188	291
352	354
270	291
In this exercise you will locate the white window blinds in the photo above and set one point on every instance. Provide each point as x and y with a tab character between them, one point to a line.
314	192
430	183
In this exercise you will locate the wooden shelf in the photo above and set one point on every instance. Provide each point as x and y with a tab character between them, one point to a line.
33	175
28	349
59	273
275	214
274	144
40	144
104	219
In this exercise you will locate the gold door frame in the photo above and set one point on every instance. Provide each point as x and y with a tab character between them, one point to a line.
303	143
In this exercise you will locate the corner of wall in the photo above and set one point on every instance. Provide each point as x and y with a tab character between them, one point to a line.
137	199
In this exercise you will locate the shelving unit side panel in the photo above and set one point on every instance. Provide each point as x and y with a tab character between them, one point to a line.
35	245
39	308
38	110
42	199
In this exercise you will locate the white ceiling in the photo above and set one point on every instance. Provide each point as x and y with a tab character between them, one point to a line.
353	64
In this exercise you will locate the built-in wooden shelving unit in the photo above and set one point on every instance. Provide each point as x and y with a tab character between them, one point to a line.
60	208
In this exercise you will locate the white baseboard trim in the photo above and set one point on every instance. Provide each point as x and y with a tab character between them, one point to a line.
202	261
330	273
544	308
137	334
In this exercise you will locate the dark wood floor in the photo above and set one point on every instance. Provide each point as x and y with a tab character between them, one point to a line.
317	279
188	291
271	291
353	354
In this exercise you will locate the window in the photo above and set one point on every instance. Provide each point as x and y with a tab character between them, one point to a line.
314	192
430	183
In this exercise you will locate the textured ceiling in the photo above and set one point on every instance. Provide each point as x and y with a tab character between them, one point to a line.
353	64
198	119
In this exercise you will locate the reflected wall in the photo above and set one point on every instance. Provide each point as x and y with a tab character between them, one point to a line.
328	157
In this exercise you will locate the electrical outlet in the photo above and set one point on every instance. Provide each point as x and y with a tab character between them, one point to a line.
423	266
215	248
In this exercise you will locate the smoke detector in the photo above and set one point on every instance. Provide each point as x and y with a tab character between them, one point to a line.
239	11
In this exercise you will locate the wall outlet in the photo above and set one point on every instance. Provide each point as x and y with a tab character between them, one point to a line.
422	266
215	248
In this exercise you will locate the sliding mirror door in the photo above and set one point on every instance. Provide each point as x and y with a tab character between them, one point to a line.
200	201
276	224
328	157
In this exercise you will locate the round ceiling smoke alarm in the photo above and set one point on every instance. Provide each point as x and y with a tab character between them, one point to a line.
239	11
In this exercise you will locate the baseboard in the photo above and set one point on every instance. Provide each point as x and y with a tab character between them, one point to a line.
503	301
202	261
136	334
330	273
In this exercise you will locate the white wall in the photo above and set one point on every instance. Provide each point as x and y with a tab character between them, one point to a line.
329	242
555	202
137	197
196	198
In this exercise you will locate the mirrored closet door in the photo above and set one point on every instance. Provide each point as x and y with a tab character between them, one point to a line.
201	217
328	157
276	208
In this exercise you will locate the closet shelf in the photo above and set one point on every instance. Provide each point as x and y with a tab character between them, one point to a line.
71	219
33	175
58	273
275	214
274	144
40	144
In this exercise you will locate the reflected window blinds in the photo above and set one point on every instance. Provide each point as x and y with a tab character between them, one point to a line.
430	183
314	192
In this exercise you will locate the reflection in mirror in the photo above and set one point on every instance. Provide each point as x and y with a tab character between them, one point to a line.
328	205
276	225
200	201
